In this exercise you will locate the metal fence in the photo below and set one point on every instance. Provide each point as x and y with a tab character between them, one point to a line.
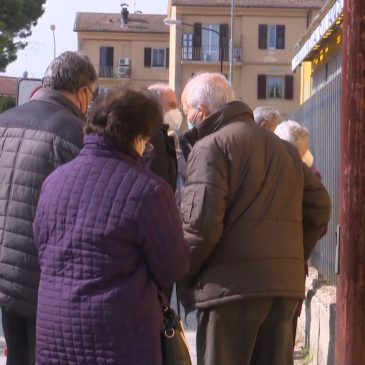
321	115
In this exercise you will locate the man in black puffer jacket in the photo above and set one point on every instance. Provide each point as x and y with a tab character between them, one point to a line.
35	138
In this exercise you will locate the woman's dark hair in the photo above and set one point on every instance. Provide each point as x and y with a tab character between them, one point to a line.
121	115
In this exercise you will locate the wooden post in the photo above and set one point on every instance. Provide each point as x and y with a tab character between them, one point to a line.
350	308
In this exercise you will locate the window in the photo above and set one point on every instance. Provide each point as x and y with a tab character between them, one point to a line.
156	57
275	87
106	62
271	36
187	46
210	42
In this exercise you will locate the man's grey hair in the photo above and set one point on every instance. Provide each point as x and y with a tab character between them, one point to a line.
268	114
294	133
69	72
209	89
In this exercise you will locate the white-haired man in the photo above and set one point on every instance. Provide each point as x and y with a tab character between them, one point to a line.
242	215
267	117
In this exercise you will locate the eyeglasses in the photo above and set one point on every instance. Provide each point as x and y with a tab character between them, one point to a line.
94	93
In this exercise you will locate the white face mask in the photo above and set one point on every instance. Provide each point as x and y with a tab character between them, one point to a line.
173	118
308	158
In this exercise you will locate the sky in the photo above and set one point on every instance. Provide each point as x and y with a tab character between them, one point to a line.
61	13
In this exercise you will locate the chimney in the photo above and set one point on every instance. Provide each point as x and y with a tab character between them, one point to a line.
125	13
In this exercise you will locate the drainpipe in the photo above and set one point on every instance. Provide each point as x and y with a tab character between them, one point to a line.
350	307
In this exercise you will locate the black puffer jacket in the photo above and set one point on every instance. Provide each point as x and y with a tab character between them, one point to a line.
35	138
162	159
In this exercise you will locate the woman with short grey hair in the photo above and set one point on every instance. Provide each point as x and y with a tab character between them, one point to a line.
297	135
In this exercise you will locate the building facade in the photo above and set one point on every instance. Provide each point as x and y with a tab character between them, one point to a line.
125	48
319	51
263	43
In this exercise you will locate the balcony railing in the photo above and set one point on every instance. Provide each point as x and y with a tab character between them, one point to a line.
210	54
120	72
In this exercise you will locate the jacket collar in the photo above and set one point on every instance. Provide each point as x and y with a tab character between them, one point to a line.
55	97
229	113
98	146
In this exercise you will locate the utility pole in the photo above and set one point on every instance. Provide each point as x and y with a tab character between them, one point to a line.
53	28
230	77
350	308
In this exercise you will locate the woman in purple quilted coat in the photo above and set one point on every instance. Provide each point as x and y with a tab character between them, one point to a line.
109	237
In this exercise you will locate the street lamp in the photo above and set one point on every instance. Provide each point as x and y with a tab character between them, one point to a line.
53	28
169	21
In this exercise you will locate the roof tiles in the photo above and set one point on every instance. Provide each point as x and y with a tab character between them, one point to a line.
106	22
306	4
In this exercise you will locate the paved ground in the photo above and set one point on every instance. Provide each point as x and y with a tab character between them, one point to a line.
190	332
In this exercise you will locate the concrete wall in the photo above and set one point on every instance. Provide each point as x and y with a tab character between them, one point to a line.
316	325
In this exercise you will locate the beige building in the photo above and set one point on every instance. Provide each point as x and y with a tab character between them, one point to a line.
263	41
125	48
140	49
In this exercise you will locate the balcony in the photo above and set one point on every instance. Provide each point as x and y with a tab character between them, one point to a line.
115	72
211	54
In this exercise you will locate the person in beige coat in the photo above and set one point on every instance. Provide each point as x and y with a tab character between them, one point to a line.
248	205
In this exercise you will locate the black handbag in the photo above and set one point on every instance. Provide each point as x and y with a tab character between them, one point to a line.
173	344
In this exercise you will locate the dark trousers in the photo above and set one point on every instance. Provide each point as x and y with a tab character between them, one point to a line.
249	332
19	336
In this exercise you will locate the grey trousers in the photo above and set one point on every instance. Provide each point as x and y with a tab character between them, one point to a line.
249	332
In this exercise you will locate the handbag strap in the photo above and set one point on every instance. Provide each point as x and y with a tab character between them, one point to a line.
177	302
165	302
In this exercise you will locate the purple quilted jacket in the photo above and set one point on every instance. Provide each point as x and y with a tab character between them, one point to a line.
108	234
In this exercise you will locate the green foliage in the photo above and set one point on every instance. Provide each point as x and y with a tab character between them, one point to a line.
16	20
6	102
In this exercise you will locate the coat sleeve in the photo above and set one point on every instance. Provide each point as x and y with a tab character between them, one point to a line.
204	204
316	211
162	241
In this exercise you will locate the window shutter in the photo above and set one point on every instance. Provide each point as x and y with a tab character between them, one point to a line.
197	37
261	86
167	58
223	42
280	37
147	56
110	56
262	36
197	41
289	87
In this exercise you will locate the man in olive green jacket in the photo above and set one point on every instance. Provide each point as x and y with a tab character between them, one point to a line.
248	200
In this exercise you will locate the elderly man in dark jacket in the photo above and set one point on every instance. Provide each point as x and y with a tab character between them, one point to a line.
247	200
35	138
